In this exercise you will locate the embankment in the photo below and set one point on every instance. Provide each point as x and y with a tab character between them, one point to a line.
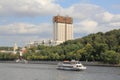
56	62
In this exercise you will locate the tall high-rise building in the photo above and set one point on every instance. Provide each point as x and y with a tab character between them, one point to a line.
62	29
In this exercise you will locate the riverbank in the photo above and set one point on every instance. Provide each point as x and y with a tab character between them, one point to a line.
99	64
56	62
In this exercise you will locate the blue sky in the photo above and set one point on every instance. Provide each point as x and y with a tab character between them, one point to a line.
22	21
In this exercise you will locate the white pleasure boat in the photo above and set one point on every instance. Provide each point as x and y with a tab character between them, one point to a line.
71	65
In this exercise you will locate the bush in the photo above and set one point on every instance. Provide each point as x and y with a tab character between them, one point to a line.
111	57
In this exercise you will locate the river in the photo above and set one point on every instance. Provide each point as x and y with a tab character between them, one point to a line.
13	71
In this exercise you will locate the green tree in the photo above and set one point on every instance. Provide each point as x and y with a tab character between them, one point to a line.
111	57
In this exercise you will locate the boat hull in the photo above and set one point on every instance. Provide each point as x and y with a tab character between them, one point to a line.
72	69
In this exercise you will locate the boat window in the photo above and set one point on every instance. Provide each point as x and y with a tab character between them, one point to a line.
78	66
69	66
66	62
71	62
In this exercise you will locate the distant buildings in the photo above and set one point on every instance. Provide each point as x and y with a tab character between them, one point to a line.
42	42
62	31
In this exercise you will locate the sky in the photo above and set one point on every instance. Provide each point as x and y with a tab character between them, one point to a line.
22	21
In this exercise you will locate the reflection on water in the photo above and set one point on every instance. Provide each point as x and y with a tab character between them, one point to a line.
49	72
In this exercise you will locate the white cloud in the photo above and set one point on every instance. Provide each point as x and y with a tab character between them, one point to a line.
104	17
22	33
25	28
86	26
82	11
92	18
89	26
89	23
116	18
115	24
28	7
116	6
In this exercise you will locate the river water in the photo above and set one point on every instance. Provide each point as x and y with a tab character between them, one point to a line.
12	71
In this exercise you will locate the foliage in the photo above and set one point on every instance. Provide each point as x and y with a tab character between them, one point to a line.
94	47
8	56
103	47
6	48
111	57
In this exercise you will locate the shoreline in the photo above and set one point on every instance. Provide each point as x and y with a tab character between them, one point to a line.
99	64
56	62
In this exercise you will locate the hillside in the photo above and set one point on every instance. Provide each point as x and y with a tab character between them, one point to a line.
95	47
109	40
104	47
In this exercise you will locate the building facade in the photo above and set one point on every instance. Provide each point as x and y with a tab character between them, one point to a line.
62	29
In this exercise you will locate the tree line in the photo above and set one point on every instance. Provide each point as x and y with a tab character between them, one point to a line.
104	47
6	48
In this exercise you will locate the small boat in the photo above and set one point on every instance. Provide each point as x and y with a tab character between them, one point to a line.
71	65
